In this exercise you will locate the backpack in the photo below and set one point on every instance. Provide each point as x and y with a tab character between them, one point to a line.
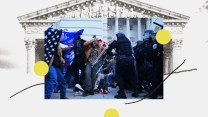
78	48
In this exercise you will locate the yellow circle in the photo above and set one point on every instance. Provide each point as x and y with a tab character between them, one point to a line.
41	68
111	113
163	37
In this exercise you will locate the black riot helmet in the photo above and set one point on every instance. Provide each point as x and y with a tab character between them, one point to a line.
124	45
148	34
121	37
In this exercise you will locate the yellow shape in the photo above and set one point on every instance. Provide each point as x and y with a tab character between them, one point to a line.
111	113
41	68
163	37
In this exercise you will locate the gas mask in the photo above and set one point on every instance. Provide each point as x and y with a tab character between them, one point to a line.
148	34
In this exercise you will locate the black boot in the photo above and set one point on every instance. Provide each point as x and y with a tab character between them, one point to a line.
120	96
91	92
86	93
135	95
64	97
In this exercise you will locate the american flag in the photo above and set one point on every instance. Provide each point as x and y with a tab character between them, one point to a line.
52	38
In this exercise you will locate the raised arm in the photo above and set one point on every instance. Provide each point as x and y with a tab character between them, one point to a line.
87	43
113	45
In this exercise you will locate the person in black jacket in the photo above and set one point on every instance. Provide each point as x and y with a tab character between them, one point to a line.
152	53
157	78
124	64
79	61
139	63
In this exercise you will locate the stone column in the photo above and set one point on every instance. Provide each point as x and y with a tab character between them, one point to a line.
167	57
116	25
105	29
128	28
139	27
177	52
116	20
30	46
177	44
166	64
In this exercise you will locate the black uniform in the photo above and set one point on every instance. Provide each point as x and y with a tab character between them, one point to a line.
157	61
152	53
124	64
79	64
139	62
144	55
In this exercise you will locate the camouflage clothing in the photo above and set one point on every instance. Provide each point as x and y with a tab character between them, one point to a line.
93	55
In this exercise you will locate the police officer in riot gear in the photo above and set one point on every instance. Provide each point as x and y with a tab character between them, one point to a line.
143	54
124	64
157	60
139	60
152	53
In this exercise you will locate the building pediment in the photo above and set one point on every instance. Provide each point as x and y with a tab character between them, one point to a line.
100	8
37	22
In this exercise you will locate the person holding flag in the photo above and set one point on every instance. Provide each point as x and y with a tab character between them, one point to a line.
53	57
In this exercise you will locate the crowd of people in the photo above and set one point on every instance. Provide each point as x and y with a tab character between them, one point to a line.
97	66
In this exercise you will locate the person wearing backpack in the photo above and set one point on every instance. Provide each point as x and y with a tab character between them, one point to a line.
79	61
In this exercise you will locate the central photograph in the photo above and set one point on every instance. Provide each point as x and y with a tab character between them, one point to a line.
103	58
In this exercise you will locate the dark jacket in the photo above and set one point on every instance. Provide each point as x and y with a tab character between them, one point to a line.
122	46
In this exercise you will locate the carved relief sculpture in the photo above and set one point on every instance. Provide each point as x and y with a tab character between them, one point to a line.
112	10
104	10
85	12
132	13
95	10
124	12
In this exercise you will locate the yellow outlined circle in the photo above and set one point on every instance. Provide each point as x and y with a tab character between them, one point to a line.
41	68
111	112
163	37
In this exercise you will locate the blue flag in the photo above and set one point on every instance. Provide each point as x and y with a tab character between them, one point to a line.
69	56
68	38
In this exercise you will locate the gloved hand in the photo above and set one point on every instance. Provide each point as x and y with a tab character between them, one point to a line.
154	46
